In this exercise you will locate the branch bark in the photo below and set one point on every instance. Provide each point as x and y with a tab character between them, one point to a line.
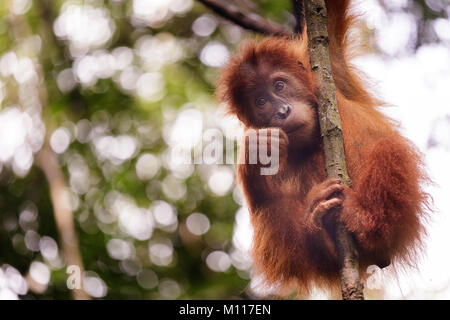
331	131
251	22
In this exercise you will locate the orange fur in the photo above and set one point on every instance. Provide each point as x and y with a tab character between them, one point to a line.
384	208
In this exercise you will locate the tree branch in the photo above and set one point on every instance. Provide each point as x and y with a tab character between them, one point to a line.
251	22
331	130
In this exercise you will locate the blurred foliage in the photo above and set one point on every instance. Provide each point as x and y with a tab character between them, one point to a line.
426	13
110	80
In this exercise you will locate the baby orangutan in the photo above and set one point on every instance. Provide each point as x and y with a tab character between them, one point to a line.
269	85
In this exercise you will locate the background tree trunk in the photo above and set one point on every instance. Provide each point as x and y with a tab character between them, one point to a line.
47	160
59	194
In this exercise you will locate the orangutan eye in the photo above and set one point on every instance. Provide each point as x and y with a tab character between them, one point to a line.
261	102
279	85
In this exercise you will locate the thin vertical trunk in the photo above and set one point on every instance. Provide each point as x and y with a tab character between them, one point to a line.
59	194
331	130
48	162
